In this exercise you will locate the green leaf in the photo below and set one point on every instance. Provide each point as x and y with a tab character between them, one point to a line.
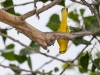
20	58
82	11
82	70
82	54
11	46
8	3
29	62
74	16
15	68
90	23
4	38
80	40
25	51
49	73
62	3
93	73
65	65
9	55
53	22
83	61
56	69
96	64
35	45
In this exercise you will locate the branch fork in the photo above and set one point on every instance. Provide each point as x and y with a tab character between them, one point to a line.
44	39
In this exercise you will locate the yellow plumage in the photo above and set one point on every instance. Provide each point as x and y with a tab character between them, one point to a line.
63	28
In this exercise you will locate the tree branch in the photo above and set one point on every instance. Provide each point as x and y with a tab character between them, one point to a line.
46	7
83	2
17	5
92	10
23	27
76	57
44	39
15	68
37	51
83	50
80	2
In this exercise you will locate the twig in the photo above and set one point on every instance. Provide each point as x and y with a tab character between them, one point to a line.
46	7
85	33
26	29
28	14
47	62
44	39
92	10
17	5
76	35
80	2
83	2
35	1
15	68
30	48
64	69
67	62
76	57
83	50
97	39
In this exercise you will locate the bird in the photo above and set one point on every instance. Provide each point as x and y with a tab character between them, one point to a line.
63	27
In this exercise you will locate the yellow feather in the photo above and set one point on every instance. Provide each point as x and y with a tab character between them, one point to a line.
63	44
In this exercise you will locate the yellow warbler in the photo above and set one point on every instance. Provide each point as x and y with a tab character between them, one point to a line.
63	28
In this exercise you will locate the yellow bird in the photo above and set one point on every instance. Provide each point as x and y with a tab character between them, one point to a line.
63	28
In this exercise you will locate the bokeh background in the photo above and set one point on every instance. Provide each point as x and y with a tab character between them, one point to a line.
13	54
